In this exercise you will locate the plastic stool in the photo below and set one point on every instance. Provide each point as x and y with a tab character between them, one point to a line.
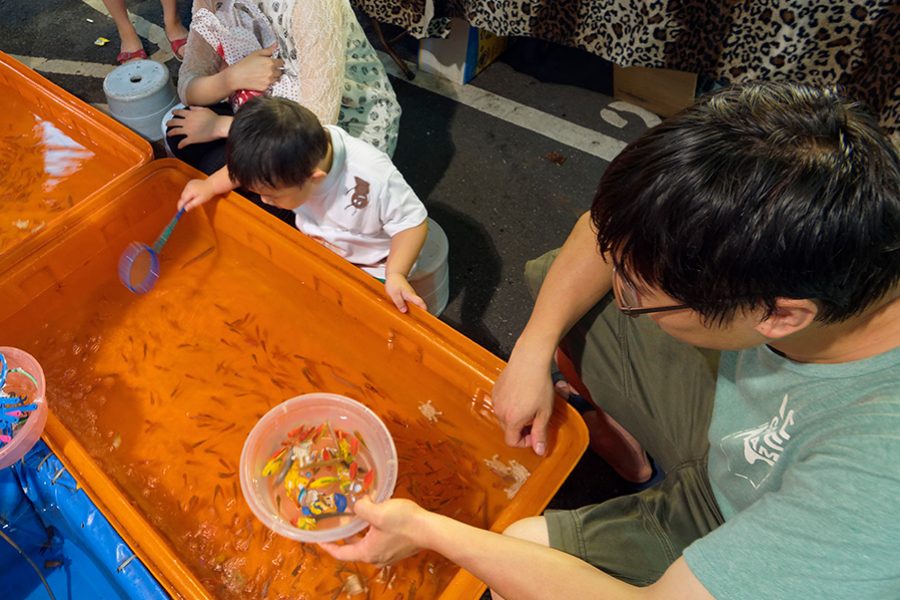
163	130
139	93
431	275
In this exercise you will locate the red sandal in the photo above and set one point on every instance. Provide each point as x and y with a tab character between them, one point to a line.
124	57
176	46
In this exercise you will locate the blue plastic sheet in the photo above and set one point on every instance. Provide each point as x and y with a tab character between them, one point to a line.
65	535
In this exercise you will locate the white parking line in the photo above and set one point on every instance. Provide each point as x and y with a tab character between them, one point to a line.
64	67
581	138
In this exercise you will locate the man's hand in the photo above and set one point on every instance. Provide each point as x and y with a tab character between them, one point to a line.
391	535
256	71
198	124
196	193
523	400
401	292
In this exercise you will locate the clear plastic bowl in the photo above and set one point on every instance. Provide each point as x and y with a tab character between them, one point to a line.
313	409
19	384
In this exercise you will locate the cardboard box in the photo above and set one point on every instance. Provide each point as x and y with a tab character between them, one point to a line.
462	55
661	91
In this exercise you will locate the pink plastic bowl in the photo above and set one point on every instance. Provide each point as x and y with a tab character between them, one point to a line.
19	384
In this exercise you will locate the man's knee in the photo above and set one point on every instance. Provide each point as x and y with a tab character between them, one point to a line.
532	529
536	269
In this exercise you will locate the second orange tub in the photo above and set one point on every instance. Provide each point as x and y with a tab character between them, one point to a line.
55	152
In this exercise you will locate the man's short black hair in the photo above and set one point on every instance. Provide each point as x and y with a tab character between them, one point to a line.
761	191
274	142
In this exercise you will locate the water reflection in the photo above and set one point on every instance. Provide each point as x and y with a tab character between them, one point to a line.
62	155
43	171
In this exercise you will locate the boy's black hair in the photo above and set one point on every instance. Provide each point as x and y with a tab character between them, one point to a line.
761	191
274	142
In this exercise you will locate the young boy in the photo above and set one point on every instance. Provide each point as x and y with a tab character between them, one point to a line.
345	193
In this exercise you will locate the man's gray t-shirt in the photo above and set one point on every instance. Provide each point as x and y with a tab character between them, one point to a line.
804	461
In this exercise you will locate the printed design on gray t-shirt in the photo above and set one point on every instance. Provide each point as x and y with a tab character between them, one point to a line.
753	452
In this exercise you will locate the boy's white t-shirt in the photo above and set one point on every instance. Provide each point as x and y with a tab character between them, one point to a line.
360	205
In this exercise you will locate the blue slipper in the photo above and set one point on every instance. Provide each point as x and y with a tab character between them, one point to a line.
657	476
577	401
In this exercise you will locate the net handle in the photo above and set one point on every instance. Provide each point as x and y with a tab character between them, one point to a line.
164	236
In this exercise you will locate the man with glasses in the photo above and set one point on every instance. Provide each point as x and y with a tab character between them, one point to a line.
732	300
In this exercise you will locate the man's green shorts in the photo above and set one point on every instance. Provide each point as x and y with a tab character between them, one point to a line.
662	392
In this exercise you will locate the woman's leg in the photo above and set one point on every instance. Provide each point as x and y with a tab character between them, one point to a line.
175	31
128	37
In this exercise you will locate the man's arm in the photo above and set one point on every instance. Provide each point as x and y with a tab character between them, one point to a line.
514	568
577	280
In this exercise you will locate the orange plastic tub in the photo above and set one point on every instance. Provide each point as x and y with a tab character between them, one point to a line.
152	396
55	152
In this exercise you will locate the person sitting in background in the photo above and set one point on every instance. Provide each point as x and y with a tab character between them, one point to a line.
321	45
131	47
344	193
763	224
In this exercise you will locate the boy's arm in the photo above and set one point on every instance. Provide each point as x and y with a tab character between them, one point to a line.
523	394
201	191
511	567
405	248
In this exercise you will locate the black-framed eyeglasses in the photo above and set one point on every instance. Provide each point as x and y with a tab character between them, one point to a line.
628	299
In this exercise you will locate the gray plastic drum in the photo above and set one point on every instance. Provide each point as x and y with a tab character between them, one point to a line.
139	94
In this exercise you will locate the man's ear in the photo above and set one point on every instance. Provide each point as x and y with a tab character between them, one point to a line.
791	315
318	176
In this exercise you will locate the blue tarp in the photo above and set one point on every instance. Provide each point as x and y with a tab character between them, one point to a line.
65	535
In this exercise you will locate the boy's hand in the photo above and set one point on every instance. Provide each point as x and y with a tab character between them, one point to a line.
256	71
196	193
401	292
197	124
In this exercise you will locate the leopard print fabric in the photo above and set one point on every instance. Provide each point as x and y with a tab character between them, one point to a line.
850	43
